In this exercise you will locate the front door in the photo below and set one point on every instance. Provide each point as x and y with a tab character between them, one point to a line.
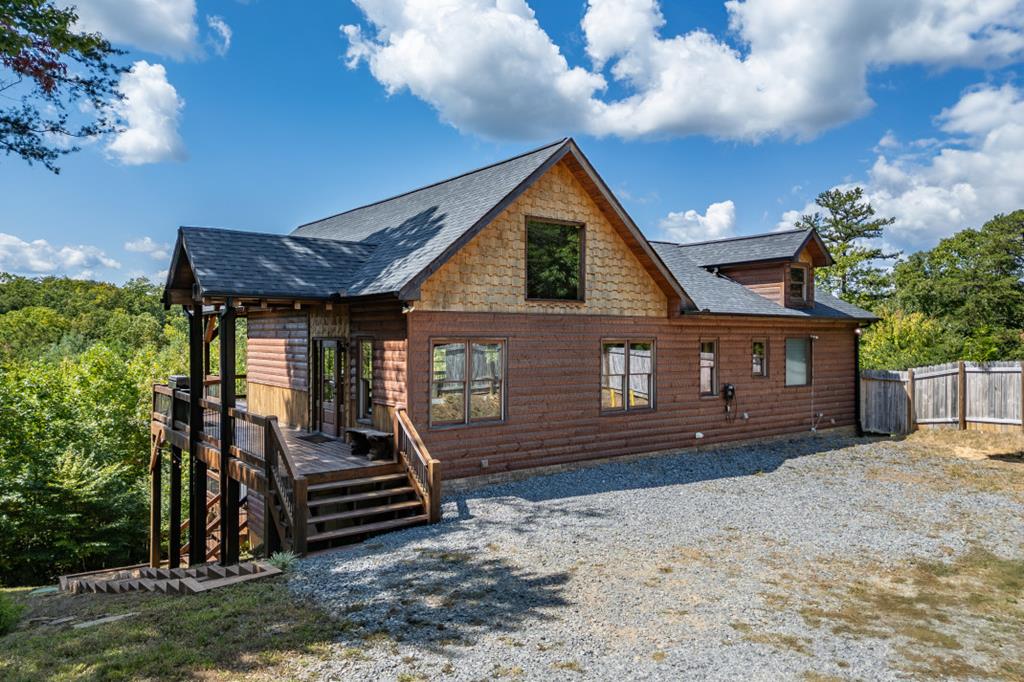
328	391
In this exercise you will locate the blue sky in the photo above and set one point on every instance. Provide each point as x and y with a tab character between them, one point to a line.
706	121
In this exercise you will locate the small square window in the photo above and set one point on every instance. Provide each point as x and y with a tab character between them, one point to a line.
467	382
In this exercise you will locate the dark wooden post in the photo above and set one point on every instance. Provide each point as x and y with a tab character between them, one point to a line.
155	500
196	466
229	489
961	380
174	520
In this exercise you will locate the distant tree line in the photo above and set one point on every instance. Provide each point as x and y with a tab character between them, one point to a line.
961	300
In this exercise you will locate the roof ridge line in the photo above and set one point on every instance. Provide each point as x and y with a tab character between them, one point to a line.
731	239
434	184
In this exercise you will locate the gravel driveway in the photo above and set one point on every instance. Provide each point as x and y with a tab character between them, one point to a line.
823	558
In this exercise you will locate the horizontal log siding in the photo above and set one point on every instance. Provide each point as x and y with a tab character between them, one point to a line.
765	280
385	324
553	410
278	350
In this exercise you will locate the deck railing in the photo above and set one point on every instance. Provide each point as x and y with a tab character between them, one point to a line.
424	470
211	385
259	459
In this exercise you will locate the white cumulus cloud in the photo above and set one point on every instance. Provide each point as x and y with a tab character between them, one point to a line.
935	187
151	108
166	27
155	250
39	257
717	222
488	66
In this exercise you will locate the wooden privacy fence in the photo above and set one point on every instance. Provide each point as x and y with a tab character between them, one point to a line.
958	395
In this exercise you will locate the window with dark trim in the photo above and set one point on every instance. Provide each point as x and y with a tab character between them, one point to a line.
364	380
759	357
798	284
467	382
554	260
627	375
798	361
709	368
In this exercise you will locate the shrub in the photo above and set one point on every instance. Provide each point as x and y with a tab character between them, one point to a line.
10	613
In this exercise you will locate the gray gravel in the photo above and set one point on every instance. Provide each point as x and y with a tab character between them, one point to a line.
696	566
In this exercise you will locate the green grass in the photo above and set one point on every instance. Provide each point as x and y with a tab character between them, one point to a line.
242	631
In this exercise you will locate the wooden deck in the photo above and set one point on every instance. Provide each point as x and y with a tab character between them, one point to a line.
332	460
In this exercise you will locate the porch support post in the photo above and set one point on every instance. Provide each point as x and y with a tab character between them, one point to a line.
196	466
174	514
229	488
155	500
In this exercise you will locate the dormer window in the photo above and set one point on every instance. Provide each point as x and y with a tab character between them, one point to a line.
798	277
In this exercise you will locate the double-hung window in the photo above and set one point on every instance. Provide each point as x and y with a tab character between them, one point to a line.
467	381
759	358
627	375
798	285
798	361
708	368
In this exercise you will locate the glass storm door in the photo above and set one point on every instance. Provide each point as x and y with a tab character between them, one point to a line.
329	392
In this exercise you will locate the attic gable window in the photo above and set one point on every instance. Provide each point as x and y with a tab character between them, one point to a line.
554	260
798	284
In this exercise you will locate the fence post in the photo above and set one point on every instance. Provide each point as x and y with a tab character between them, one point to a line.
1021	368
961	381
911	414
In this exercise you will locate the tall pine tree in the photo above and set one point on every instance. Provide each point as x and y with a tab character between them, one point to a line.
847	223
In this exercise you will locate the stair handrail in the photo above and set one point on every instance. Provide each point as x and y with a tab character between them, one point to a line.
288	485
423	469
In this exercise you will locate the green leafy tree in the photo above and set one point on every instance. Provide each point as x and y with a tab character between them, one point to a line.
973	280
47	70
26	332
901	340
847	223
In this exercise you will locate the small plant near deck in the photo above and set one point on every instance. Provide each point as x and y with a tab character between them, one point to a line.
10	614
284	561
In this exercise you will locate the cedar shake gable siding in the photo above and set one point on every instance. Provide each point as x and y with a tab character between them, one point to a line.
488	274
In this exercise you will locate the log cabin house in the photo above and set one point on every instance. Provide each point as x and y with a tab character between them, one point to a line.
510	317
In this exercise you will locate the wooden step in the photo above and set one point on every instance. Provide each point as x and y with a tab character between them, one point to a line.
367	528
334	485
368	511
359	497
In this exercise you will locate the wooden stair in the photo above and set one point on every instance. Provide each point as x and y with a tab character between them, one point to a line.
346	511
143	578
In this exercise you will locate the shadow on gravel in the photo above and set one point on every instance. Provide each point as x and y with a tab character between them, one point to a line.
439	599
659	471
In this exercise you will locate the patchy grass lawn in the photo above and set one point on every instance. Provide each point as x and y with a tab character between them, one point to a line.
243	631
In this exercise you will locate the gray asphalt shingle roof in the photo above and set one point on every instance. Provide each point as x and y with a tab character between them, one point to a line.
382	247
413	229
234	263
717	294
773	246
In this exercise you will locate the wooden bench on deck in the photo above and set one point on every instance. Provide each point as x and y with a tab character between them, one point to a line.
369	441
